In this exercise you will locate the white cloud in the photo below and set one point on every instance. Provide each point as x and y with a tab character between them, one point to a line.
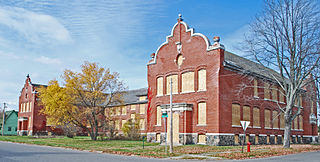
47	60
35	27
9	55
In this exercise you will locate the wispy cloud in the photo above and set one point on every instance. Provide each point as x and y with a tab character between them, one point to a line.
234	41
47	60
35	27
9	55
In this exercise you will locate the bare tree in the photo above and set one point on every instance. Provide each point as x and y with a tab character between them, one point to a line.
286	37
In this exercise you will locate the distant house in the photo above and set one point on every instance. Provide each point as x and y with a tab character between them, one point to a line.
11	123
30	120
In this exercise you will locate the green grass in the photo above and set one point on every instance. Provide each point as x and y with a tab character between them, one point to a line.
124	147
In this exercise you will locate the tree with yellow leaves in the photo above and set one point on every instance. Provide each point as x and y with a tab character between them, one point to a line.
83	99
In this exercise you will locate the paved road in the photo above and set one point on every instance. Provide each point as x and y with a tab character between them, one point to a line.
13	152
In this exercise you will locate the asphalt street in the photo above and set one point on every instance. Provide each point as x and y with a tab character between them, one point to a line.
14	152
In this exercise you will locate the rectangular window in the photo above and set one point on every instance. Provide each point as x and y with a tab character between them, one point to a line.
133	107
142	124
300	98
202	80
142	98
122	123
202	139
256	117
117	125
133	116
246	113
124	110
281	95
142	108
235	114
267	118
118	110
274	90
295	123
158	137
282	121
160	86
27	107
275	119
9	128
159	116
111	111
187	82
174	84
255	88
300	122
202	113
266	90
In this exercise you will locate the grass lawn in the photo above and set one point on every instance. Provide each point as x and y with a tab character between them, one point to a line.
155	150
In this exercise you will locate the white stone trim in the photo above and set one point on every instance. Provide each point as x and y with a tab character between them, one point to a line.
279	135
238	126
201	125
256	127
151	133
209	47
252	134
263	135
189	133
272	135
221	134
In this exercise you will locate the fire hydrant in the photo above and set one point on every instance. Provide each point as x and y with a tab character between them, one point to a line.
248	146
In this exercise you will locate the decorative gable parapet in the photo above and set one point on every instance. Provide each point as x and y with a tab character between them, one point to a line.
209	47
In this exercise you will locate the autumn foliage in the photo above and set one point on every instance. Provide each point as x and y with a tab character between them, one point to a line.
83	99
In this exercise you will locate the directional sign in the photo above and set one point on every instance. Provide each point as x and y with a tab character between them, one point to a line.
244	124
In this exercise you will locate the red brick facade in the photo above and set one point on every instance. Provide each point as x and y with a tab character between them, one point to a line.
223	88
30	120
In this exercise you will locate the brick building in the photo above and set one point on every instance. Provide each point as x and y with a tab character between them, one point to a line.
133	107
208	102
30	120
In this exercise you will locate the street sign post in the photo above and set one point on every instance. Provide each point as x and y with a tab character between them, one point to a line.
244	125
164	116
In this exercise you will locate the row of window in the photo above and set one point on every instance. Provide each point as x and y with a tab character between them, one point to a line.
187	83
271	92
123	109
202	114
271	118
25	107
119	126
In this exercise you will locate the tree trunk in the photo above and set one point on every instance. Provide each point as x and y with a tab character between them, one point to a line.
287	134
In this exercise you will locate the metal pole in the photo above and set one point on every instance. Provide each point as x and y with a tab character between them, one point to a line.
243	141
166	134
4	117
171	120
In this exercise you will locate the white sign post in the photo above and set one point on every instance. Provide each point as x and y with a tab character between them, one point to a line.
244	125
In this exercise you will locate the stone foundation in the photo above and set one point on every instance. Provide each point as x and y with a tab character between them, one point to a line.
229	140
220	140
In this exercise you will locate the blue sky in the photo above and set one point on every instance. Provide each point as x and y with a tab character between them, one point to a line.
44	37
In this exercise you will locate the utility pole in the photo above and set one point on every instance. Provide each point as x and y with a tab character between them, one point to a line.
4	117
171	120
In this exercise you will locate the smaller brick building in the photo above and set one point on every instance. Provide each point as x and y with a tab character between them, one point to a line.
134	106
30	120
